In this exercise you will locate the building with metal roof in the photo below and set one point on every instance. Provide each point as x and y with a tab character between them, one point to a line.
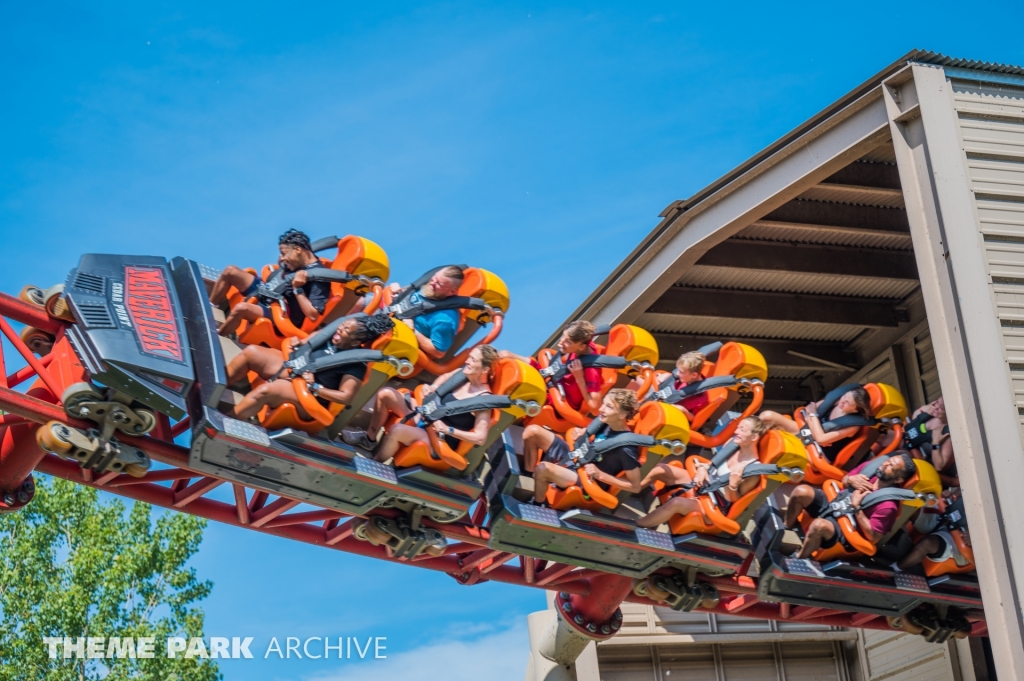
882	240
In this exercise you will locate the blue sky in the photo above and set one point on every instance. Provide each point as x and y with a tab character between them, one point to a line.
537	140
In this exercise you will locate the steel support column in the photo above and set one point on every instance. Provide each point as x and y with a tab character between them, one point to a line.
965	331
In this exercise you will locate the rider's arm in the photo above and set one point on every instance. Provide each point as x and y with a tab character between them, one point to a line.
477	436
345	392
631	483
590	389
823	438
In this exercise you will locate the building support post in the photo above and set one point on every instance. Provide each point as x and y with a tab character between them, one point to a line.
965	331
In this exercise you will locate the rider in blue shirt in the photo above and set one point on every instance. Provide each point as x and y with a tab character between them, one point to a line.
436	330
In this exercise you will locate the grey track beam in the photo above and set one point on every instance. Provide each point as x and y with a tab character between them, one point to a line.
776	352
892	220
789	307
858	262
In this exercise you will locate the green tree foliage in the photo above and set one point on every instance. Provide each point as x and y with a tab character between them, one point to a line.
73	566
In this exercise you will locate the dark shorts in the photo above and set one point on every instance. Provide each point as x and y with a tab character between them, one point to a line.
253	288
557	453
266	311
816	509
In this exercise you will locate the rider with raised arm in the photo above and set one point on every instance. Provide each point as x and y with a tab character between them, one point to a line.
676	479
467	427
337	384
618	407
304	300
855	401
688	372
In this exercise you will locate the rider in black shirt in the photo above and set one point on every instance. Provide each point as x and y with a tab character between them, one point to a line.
305	300
617	408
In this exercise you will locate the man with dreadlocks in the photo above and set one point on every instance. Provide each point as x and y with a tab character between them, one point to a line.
305	300
337	384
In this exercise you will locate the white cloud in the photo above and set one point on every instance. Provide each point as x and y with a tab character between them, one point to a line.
499	656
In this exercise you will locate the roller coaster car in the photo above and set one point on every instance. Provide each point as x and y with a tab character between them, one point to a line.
957	556
844	578
631	353
516	390
888	409
738	370
481	299
782	459
581	529
359	267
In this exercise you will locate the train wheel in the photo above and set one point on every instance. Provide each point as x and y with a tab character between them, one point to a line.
38	341
57	307
640	588
654	592
375	535
136	470
147	422
32	294
51	437
76	395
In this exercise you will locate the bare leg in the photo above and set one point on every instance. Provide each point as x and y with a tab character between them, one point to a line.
242	312
801	498
231	276
665	512
669	475
780	421
820	531
536	441
506	354
389	401
398	436
926	546
551	474
270	395
266	362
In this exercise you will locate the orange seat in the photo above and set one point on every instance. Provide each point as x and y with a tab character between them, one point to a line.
669	433
888	409
518	381
925	485
779	448
360	257
747	365
636	345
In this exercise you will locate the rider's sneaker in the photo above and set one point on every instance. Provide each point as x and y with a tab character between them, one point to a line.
359	438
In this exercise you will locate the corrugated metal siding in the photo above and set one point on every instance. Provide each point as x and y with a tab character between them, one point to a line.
769	230
856	195
753	328
884	372
892	656
994	145
797	282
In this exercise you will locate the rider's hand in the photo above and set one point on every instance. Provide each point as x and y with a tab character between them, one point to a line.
701	477
300	279
440	427
860	482
576	368
812	408
593	472
395	287
309	378
858	497
735	478
428	390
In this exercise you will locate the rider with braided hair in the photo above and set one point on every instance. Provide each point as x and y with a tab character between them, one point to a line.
336	384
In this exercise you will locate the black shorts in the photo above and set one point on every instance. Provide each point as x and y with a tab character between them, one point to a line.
816	509
557	453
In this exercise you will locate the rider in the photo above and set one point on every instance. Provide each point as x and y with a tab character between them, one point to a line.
855	401
337	384
618	407
677	479
874	522
305	300
939	544
579	385
688	371
926	435
470	427
436	330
